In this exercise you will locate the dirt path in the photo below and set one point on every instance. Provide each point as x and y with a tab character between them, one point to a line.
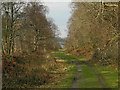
78	76
77	80
80	80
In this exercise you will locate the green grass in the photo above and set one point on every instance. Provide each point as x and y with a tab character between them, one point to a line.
67	82
89	78
68	75
81	59
110	76
64	81
64	56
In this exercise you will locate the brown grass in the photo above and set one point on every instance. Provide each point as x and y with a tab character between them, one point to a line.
27	70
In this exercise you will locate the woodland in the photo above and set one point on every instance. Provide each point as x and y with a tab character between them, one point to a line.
32	56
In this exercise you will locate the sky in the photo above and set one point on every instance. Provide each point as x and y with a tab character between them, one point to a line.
60	13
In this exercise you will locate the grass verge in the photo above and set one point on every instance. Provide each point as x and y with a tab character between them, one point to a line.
109	75
90	79
68	75
62	77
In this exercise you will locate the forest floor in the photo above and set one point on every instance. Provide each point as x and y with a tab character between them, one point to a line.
80	73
